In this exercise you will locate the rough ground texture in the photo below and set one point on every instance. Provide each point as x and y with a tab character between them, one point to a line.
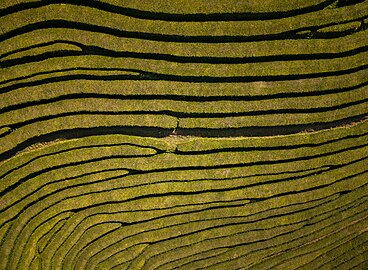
189	135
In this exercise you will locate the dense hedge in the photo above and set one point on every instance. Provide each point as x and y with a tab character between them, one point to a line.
189	135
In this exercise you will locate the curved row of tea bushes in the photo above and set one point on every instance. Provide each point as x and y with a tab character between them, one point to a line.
167	203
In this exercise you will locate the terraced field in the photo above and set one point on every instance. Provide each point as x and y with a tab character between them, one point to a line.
189	135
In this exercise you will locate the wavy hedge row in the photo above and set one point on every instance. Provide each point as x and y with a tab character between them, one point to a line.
130	195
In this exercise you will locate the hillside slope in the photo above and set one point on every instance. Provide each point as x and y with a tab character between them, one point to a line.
189	135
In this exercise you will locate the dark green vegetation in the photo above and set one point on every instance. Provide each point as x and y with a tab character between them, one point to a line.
217	135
